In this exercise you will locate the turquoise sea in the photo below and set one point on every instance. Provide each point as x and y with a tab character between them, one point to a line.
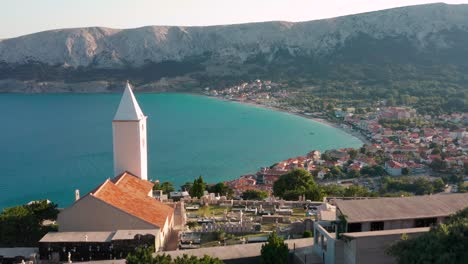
52	144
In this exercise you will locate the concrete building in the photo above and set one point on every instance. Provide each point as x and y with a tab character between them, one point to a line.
365	228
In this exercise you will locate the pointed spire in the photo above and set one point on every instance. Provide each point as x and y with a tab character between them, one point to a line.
128	107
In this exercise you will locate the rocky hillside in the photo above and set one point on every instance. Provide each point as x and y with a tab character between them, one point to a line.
410	42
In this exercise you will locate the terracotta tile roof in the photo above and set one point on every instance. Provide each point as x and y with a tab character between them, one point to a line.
130	183
130	195
394	164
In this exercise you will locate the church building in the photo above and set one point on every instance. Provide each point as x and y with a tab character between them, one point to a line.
121	213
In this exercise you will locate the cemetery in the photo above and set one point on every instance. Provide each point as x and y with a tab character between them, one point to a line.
217	222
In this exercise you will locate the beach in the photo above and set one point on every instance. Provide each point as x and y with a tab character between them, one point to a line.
353	133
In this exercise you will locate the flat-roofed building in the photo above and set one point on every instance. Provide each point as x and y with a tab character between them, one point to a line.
399	212
19	254
80	246
365	228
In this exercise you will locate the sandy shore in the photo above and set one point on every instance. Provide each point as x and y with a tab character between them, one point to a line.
355	134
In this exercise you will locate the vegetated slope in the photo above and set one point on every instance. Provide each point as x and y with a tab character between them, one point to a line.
422	45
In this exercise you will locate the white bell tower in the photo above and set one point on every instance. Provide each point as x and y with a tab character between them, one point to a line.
129	134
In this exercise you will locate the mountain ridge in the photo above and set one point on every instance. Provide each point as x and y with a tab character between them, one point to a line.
441	4
430	35
107	47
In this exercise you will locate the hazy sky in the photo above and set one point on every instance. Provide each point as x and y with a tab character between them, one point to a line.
19	17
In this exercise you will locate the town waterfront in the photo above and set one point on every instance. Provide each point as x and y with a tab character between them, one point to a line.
52	144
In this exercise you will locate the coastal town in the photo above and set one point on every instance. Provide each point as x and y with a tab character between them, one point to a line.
234	132
311	205
397	142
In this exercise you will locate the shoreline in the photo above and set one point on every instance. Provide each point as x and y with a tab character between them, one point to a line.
322	121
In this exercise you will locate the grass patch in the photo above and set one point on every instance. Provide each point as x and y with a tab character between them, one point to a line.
211	211
299	212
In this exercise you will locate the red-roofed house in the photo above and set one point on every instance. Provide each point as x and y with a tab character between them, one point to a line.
399	157
355	166
123	203
393	167
406	149
270	179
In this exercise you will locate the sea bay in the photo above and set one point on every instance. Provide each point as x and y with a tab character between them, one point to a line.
52	144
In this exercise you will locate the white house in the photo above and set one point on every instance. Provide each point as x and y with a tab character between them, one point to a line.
321	174
393	168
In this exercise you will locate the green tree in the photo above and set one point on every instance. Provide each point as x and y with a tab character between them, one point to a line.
336	172
221	189
186	187
22	225
436	151
405	171
374	170
362	150
144	255
296	183
18	226
462	187
423	186
274	251
198	187
378	170
454	178
438	165
326	157
254	195
333	190
418	186
307	233
357	191
44	210
166	187
354	173
439	185
352	153
443	244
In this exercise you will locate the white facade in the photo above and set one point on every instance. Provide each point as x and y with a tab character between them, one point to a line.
321	174
393	171
129	136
